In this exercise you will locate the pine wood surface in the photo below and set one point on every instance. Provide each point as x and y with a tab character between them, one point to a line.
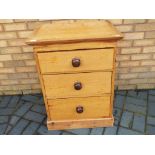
75	46
62	85
81	30
65	109
90	60
83	123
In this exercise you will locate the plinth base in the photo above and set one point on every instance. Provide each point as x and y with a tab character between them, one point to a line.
74	124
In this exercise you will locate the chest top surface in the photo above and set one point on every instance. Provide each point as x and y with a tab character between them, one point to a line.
74	31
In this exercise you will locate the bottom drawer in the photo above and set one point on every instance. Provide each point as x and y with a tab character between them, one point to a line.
79	108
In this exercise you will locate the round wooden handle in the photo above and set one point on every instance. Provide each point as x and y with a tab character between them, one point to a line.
75	62
77	85
79	109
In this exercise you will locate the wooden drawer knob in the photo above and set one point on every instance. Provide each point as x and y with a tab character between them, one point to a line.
75	62
79	109
77	85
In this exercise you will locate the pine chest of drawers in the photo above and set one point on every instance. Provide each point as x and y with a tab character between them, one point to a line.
76	66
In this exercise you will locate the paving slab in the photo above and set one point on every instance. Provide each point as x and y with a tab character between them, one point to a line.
142	95
151	120
31	128
97	131
39	108
151	98
79	131
119	101
117	112
135	108
139	122
5	101
127	119
151	108
110	130
134	113
136	101
2	128
54	132
121	92
67	133
6	111
150	130
8	129
4	119
14	120
30	98
132	93
117	115
19	127
33	116
151	92
43	131
23	109
116	121
41	101
14	101
125	131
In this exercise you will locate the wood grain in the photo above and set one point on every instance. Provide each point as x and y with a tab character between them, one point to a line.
62	85
83	123
81	30
61	62
113	83
93	107
75	46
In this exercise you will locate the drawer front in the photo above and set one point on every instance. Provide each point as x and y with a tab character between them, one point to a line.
79	108
77	85
76	61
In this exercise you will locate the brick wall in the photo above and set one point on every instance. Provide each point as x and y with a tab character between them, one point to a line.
135	55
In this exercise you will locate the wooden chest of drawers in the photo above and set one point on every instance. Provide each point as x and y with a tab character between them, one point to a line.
76	66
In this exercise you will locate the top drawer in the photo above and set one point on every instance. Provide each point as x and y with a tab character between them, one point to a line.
76	61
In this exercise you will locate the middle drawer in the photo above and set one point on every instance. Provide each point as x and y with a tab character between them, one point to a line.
77	85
